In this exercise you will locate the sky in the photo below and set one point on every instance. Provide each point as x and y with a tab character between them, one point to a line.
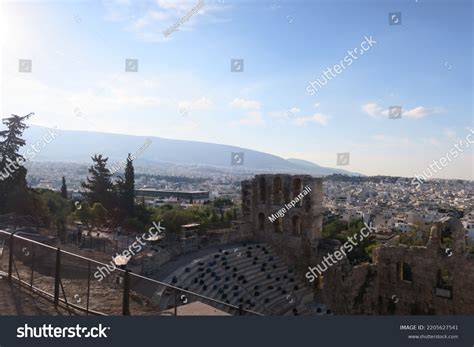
184	87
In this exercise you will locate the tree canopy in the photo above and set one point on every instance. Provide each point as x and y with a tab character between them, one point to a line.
99	186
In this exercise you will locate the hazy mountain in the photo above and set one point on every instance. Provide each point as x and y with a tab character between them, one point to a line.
323	170
79	146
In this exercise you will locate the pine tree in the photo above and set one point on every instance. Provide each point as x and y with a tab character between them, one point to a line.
99	184
12	143
12	172
129	187
64	189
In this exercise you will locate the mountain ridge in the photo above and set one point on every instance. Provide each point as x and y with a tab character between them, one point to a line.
79	146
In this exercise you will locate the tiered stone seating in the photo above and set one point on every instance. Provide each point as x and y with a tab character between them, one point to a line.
251	275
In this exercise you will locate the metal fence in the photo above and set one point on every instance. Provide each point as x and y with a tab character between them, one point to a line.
83	285
91	240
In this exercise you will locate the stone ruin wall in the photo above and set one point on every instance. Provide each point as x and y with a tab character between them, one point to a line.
380	287
296	234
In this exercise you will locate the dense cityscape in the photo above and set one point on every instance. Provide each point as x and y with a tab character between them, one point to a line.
392	204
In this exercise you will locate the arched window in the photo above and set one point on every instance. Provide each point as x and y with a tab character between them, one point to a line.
404	271
277	190
444	279
262	186
261	222
444	284
296	223
278	225
307	202
297	188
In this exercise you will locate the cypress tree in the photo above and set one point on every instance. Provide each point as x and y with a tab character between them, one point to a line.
129	187
64	189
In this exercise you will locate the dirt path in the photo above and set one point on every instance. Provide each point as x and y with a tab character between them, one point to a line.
14	302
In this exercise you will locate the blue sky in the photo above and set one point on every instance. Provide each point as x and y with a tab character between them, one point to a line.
184	88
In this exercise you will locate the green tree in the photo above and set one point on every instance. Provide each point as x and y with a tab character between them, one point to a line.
229	215
125	191
334	229
98	214
129	187
12	172
173	217
214	218
64	189
99	185
83	213
221	204
28	202
340	230
59	209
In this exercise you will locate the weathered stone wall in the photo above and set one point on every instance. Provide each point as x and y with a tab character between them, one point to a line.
350	290
407	280
296	233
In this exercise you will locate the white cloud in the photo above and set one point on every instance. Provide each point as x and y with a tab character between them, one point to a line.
274	7
179	6
372	109
201	104
102	105
419	112
150	21
253	88
245	104
318	118
281	116
252	118
294	110
376	111
285	114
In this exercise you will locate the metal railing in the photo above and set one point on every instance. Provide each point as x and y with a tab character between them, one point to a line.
83	285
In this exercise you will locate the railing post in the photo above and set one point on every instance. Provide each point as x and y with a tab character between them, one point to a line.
57	277
32	267
126	294
88	285
241	310
175	302
10	258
